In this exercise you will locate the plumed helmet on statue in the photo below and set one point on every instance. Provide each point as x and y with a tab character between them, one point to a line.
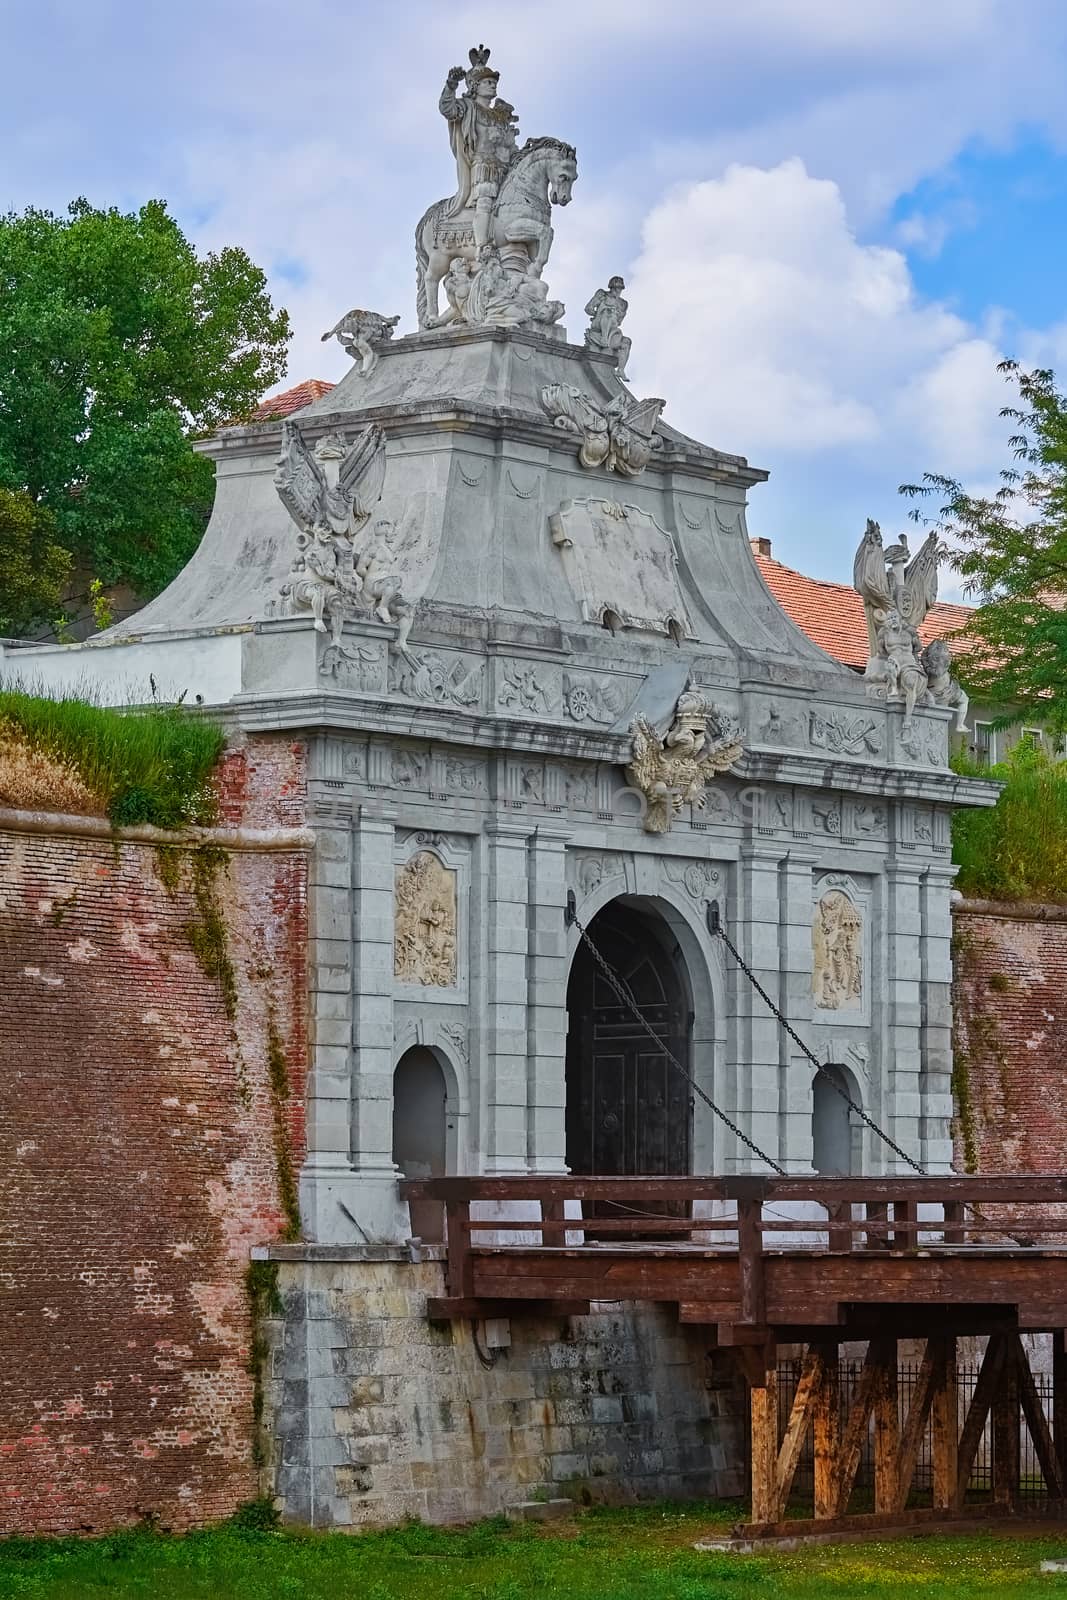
479	66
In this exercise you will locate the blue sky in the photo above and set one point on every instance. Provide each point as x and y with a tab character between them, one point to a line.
833	216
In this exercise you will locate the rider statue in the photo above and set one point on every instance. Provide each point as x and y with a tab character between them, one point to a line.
481	129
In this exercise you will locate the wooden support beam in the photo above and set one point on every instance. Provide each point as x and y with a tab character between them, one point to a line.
945	1423
886	1433
750	1260
915	1424
857	1423
812	1377
826	1425
459	1268
709	1311
974	1423
1059	1397
764	1403
1037	1422
1006	1429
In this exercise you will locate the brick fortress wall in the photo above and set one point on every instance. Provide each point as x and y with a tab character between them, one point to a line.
152	1064
1010	1037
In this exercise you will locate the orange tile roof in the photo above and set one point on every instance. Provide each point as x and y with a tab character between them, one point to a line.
831	614
290	400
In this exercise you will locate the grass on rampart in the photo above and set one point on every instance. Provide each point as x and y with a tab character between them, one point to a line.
150	766
634	1554
1018	849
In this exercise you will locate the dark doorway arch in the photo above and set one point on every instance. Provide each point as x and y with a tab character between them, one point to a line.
420	1133
628	1110
832	1133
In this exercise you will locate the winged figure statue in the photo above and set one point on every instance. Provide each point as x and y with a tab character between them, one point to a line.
342	566
898	591
334	487
674	771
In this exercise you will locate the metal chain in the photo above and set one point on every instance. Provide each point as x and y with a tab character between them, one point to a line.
719	931
622	989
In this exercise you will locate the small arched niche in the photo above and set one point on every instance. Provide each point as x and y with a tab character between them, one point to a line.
420	1139
833	1134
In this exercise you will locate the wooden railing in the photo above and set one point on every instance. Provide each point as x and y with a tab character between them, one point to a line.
747	1220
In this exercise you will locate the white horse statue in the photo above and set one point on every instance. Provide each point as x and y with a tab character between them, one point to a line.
540	176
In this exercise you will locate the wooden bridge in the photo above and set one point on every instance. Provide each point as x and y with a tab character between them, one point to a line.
815	1262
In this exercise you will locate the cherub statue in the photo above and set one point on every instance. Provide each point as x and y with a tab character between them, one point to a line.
674	771
359	332
317	580
607	309
945	690
377	569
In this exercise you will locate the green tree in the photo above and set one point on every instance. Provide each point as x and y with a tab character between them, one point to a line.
1011	551
33	567
118	346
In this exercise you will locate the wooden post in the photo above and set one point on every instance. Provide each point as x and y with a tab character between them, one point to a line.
805	1400
459	1271
825	1433
904	1211
954	1230
553	1213
877	1211
750	1261
839	1230
1006	1431
765	1448
886	1432
945	1424
1059	1398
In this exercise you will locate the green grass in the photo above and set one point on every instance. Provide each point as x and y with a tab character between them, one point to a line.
1018	849
641	1554
146	766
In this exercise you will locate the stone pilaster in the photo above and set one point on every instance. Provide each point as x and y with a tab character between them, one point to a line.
795	1000
327	1175
546	1061
753	1050
901	1035
936	1037
378	1213
502	1025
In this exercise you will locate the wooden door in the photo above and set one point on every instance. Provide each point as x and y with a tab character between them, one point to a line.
628	1110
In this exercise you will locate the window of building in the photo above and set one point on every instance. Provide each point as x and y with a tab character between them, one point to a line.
1034	736
985	744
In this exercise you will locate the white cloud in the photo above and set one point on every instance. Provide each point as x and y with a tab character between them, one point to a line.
770	327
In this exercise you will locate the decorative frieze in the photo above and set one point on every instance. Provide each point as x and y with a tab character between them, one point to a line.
436	679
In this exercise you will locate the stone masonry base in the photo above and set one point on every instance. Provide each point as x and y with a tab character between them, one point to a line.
373	1414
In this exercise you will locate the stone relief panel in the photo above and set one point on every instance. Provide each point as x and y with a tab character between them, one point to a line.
424	947
454	775
595	868
526	687
776	810
845	734
840	944
867	819
700	881
598	700
619	562
436	678
781	725
924	745
360	667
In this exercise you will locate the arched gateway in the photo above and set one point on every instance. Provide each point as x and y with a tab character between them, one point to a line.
628	1110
